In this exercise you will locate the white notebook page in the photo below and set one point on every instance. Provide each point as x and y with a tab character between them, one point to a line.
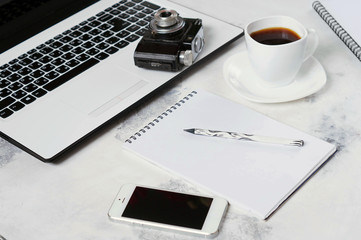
251	175
347	14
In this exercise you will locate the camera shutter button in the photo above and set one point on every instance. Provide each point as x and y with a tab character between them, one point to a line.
186	57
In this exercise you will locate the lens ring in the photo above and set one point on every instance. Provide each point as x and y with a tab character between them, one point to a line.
166	21
166	18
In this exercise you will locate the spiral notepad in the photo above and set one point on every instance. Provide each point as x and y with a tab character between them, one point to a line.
256	176
160	117
343	17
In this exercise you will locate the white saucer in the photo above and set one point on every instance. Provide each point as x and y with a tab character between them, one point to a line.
240	75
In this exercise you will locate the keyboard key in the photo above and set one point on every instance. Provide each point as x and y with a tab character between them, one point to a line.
100	14
30	87
114	12
105	18
102	46
68	56
13	77
5	92
24	71
55	53
111	50
95	32
140	15
131	12
15	86
56	44
37	74
122	44
16	106
4	83
132	38
26	80
19	94
92	51
123	34
28	99
65	48
94	23
5	113
41	81
13	61
67	39
62	69
14	67
52	75
36	56
142	23
107	34
98	39
6	102
5	73
130	4
133	28
35	65
78	50
22	56
2	67
118	24
39	93
75	42
83	57
47	67
150	5
46	50
105	26
75	34
138	7
25	61
140	32
88	45
112	40
72	63
102	56
58	61
45	59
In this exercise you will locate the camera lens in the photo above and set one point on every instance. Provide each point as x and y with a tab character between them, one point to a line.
166	18
165	14
166	21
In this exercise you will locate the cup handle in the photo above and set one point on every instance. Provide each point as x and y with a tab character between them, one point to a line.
311	44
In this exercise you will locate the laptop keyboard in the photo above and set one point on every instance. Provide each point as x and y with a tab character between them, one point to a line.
56	61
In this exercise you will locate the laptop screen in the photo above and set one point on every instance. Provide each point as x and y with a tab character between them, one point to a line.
22	19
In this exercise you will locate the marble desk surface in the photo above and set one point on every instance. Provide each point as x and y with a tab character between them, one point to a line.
70	199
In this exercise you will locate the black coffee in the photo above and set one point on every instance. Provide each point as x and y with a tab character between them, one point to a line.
275	36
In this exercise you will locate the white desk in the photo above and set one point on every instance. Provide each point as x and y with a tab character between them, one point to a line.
70	199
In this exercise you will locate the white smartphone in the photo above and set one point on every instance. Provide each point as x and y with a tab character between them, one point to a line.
190	213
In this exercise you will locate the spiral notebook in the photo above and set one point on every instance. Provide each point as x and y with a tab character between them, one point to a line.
254	176
344	19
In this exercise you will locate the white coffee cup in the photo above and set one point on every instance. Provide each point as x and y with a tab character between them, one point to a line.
277	65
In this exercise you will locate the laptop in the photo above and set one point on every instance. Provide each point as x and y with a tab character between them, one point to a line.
67	67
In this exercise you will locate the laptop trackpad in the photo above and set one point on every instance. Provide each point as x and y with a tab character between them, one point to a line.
96	91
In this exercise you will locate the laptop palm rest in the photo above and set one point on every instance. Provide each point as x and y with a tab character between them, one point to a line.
103	90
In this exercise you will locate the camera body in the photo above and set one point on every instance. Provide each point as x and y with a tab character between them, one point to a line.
170	42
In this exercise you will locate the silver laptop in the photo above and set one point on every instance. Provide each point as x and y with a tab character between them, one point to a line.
66	67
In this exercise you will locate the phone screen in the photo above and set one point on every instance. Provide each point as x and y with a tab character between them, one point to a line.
166	207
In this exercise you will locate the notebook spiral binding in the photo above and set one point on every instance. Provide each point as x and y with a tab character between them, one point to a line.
160	117
338	29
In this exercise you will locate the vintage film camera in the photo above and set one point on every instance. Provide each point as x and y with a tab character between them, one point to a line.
170	42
